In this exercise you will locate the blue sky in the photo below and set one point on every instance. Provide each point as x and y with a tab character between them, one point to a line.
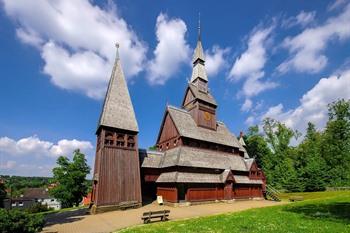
280	59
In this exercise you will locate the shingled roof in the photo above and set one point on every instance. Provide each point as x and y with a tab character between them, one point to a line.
191	177
41	193
206	97
195	157
118	111
187	127
246	180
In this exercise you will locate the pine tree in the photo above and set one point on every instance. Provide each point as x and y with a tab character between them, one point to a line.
310	164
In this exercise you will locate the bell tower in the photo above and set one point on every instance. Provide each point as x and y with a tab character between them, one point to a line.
198	100
116	178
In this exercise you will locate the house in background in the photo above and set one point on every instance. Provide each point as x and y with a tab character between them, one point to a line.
41	195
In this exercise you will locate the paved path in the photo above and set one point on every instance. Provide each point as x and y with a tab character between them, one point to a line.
78	221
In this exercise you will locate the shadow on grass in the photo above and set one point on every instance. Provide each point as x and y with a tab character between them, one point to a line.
339	211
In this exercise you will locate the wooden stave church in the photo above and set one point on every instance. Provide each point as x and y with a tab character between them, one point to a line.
197	159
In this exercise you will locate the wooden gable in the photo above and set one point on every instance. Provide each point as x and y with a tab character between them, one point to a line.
254	166
168	130
189	97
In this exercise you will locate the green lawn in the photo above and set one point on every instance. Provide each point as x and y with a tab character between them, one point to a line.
320	212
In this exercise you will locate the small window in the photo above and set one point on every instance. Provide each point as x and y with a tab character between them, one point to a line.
175	142
160	147
167	145
131	142
120	140
20	203
52	200
109	138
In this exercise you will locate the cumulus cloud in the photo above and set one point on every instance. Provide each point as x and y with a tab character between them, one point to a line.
34	146
172	49
32	156
250	65
303	19
247	105
307	48
313	104
76	41
215	60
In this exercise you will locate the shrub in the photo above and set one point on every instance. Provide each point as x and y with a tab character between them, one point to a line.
16	221
37	208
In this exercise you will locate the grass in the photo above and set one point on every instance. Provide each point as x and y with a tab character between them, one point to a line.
320	212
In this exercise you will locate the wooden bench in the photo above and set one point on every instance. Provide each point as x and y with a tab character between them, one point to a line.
296	198
162	214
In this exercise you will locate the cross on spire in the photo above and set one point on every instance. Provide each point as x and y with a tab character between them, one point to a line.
117	50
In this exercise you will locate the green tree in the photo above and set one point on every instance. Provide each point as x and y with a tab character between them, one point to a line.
336	143
281	172
71	179
310	164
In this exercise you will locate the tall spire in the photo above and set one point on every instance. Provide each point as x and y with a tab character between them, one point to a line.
199	27
198	58
118	111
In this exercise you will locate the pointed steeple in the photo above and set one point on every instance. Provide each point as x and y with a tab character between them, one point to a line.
199	60
118	111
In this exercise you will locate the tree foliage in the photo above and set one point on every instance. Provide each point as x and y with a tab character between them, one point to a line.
321	159
70	177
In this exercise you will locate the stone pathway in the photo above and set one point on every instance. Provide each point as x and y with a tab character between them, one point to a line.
79	221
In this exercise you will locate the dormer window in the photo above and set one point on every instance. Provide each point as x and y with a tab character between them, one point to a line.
131	141
120	140
109	139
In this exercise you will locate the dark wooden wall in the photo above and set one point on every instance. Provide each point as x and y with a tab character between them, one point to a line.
117	174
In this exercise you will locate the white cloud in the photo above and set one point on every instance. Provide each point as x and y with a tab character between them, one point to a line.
32	156
250	120
35	147
336	4
313	104
172	49
251	63
215	60
76	40
303	19
307	49
247	105
7	165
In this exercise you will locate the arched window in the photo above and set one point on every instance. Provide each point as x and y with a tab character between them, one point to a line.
167	145
109	138
120	140
160	147
131	141
175	142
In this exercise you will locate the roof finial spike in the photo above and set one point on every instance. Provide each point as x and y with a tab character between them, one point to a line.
199	25
117	52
